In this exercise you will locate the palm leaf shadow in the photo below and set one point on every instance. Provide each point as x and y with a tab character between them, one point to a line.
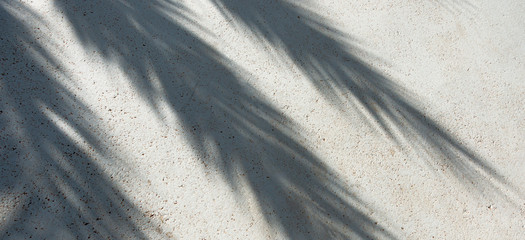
228	123
330	62
51	187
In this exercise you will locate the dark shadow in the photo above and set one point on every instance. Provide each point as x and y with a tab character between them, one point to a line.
328	58
228	123
50	187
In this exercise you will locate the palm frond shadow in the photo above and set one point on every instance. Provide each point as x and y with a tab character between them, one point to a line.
329	60
233	128
51	187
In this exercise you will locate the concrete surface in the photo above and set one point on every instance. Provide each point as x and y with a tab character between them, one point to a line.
228	119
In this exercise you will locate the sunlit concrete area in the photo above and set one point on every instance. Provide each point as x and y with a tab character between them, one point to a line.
245	119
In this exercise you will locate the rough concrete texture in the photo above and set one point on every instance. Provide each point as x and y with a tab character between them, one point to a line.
244	119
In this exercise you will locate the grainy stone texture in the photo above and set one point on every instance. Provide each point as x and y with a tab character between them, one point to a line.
244	119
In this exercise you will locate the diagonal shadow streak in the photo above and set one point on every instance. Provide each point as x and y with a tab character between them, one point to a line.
50	187
228	123
330	62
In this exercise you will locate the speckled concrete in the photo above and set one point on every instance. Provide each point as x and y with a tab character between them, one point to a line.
228	119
